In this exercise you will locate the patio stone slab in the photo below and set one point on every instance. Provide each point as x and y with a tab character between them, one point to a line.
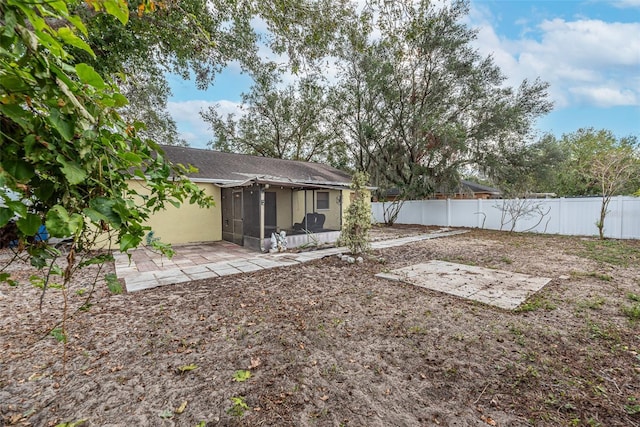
205	275
226	271
195	270
503	289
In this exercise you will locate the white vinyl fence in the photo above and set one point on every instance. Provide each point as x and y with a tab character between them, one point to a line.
566	216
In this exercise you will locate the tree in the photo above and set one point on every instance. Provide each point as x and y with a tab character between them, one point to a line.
357	221
587	147
196	39
612	171
67	156
418	103
521	169
287	123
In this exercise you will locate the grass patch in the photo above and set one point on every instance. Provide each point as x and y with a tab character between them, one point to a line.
594	303
632	311
603	332
616	252
601	276
536	302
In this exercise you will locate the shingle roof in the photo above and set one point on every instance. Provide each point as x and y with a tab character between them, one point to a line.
474	187
217	166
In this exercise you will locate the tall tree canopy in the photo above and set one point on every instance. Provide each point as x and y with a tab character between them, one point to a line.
196	39
287	123
587	151
419	102
412	101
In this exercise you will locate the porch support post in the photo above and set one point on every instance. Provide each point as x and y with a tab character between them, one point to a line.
262	249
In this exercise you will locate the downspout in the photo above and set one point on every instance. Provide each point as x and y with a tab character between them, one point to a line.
262	219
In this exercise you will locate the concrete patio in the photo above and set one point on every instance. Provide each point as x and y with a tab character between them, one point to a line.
503	289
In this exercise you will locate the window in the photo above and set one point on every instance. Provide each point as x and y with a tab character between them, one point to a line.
322	200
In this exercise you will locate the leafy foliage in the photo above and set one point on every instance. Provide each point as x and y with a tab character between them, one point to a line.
418	103
357	221
596	158
195	39
287	123
239	406
67	156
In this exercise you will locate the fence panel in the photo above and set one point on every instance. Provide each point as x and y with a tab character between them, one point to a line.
567	216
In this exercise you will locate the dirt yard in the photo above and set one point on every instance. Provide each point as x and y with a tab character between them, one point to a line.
328	344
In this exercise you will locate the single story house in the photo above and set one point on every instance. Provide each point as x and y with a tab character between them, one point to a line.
255	197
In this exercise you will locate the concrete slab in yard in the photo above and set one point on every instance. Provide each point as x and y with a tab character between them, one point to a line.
499	288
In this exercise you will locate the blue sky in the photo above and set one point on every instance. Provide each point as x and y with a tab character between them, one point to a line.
589	51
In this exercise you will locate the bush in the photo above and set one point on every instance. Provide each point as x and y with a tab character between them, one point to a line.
357	221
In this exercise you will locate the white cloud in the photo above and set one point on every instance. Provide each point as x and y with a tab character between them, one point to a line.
602	96
191	127
587	62
624	4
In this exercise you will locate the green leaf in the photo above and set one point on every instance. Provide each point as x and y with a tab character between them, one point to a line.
17	206
19	169
64	125
67	35
113	284
77	22
187	368
89	76
10	22
72	171
5	215
29	224
60	224
98	259
119	100
129	241
44	190
59	335
241	375
131	157
104	207
119	9
94	215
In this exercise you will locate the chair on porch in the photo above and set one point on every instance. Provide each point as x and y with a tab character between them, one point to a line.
311	222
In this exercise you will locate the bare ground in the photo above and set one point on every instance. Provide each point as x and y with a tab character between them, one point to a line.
327	343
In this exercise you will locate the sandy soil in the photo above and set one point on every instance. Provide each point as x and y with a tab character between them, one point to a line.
327	343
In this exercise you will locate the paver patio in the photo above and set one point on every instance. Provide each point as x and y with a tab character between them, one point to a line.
147	269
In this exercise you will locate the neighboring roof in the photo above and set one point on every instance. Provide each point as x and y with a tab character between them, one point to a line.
238	169
474	187
464	187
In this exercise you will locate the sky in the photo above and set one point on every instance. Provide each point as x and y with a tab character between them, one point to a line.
588	50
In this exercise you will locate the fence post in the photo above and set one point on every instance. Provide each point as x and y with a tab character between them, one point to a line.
620	205
479	223
448	212
561	216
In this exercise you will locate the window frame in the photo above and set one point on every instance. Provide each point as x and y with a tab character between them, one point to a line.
328	205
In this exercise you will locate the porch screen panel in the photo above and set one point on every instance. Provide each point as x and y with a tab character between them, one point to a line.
252	211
